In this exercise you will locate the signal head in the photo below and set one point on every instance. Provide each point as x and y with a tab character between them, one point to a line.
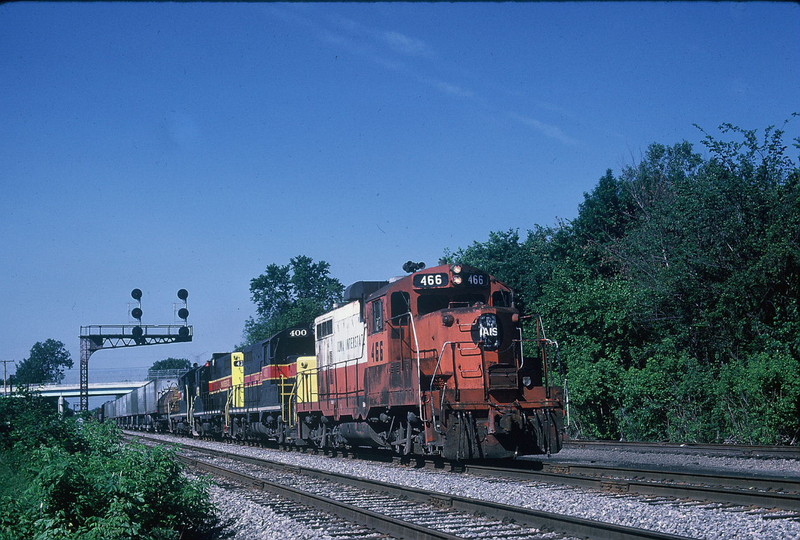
183	334
138	335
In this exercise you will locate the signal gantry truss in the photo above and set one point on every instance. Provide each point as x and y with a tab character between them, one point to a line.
112	336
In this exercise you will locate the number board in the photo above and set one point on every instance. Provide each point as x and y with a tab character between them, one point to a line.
431	281
476	280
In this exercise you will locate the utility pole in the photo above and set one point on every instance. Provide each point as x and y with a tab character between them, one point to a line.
5	376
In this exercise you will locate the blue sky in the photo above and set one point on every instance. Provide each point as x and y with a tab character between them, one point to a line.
174	145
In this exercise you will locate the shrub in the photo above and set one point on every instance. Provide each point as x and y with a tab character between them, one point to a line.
759	399
79	481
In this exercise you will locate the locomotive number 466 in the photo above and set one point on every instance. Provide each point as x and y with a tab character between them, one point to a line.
426	281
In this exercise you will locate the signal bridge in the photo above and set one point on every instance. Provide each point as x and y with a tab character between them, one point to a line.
111	336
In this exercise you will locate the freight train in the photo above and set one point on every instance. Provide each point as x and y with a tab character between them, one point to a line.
433	363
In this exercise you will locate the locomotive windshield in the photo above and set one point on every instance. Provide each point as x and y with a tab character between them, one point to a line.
428	303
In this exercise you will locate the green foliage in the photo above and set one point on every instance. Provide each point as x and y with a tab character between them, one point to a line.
80	482
668	400
28	421
45	364
170	363
598	311
594	396
290	295
758	399
675	292
604	218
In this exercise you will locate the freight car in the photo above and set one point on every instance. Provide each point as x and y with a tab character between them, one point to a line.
146	408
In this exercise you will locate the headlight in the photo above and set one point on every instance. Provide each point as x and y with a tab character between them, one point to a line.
456	268
457	280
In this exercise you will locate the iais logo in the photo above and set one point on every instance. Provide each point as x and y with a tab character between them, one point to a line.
487	330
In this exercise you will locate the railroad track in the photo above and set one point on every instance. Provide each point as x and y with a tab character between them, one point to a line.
401	511
765	491
769	492
727	450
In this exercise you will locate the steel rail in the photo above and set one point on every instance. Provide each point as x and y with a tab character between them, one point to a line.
762	491
781	483
730	450
561	523
384	524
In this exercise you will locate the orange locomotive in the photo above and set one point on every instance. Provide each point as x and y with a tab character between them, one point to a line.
431	363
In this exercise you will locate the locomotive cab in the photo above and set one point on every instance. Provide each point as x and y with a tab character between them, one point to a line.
479	396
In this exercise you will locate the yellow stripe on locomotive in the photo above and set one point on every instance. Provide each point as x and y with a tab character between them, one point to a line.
307	371
237	378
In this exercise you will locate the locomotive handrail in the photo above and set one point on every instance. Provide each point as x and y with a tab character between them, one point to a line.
190	400
433	376
452	345
439	362
521	349
441	355
543	354
419	364
417	352
227	417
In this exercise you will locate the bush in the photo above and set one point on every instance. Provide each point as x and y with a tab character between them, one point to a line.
666	399
759	399
593	391
80	482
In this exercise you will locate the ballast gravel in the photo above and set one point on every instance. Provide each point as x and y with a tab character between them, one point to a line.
250	520
702	522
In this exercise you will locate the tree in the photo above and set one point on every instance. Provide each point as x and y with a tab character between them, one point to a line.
290	295
603	219
675	292
170	363
45	364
